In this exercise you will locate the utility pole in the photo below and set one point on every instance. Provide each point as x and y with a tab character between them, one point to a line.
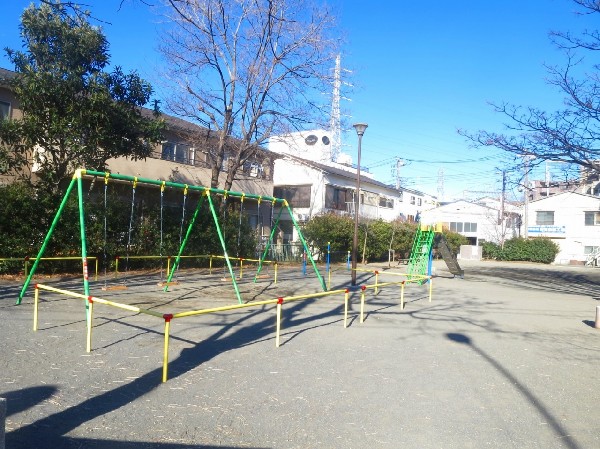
396	171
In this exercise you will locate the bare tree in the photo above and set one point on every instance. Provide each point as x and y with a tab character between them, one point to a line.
570	135
248	70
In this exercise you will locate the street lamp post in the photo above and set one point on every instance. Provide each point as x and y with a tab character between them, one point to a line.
360	130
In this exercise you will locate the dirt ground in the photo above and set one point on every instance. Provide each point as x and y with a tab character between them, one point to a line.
506	357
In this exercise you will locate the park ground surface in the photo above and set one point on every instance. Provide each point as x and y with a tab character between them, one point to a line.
505	358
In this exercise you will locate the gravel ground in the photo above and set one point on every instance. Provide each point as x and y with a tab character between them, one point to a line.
505	358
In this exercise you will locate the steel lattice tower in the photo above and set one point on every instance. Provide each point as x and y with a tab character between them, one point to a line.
335	119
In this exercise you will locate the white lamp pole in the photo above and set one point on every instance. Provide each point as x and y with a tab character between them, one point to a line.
360	130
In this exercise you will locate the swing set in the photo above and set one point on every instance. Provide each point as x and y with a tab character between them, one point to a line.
207	195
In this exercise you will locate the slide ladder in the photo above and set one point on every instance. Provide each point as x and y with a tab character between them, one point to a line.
448	256
418	263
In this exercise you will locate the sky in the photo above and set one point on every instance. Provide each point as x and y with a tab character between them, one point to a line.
419	72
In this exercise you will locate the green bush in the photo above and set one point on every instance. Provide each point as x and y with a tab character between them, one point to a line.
455	240
335	229
339	230
541	250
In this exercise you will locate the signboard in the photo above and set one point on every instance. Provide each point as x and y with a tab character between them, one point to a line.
547	231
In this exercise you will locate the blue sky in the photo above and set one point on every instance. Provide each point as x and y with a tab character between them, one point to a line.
420	71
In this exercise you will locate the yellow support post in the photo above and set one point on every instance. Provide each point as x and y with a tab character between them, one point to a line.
241	268
275	278
402	296
346	300
168	318
96	278
362	303
376	283
88	340
430	288
329	279
168	264
116	266
278	325
210	265
36	298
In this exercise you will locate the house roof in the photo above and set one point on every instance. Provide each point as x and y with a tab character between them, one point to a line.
554	197
345	173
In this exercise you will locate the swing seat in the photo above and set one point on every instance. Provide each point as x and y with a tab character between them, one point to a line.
166	284
114	287
263	276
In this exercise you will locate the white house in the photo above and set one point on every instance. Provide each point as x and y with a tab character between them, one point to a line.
570	219
314	188
477	222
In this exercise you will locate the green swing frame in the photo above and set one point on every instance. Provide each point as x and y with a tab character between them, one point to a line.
207	192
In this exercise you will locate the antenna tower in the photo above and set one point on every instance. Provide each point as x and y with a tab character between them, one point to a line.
335	120
440	186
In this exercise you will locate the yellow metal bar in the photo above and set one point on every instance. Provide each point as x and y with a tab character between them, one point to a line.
223	308
314	295
376	282
329	278
168	264
241	268
36	298
101	301
88	346
278	324
166	349
210	265
96	278
275	279
362	304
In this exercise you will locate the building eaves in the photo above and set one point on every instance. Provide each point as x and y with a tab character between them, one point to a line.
564	193
337	171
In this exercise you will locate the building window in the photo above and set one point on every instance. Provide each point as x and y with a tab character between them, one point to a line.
592	218
179	152
337	198
544	217
388	203
4	110
369	198
470	227
457	226
590	249
297	196
412	199
419	201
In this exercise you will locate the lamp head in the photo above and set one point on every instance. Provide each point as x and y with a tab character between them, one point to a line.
360	128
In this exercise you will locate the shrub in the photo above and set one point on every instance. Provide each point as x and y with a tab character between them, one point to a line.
542	250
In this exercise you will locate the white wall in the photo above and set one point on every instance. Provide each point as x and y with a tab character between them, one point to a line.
569	230
464	211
